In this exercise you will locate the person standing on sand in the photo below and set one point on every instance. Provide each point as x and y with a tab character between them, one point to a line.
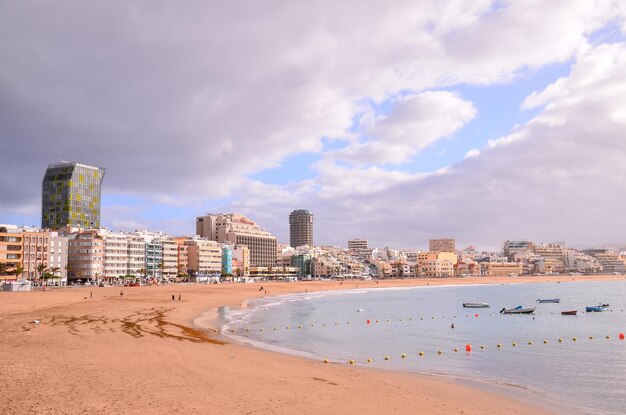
121	293
90	294
173	297
178	297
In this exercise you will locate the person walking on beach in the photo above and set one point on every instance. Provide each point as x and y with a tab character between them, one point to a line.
121	293
90	294
178	297
173	297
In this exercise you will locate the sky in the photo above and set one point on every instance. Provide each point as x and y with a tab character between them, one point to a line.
478	120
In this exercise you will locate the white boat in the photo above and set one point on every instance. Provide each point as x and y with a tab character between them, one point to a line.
477	304
517	310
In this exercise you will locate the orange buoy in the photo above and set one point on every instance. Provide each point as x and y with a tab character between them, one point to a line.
621	336
368	322
468	347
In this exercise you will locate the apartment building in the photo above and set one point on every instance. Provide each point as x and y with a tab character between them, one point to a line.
204	257
11	251
85	256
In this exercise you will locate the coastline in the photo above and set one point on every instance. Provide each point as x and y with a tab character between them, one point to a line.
142	354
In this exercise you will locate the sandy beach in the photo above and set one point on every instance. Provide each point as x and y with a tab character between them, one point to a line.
141	353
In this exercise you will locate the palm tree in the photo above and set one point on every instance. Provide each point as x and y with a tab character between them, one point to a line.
18	270
69	271
41	268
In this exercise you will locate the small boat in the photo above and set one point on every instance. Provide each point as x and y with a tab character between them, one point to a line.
477	304
569	313
517	310
597	308
548	300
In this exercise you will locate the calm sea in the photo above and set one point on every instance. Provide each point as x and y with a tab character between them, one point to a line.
588	373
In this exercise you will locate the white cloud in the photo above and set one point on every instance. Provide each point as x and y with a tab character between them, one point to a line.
545	181
415	122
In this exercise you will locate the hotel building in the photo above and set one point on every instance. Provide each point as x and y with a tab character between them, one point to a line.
237	229
71	196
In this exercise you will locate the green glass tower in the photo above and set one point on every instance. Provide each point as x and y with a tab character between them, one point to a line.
71	196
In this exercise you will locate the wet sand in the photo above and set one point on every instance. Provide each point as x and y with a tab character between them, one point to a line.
142	354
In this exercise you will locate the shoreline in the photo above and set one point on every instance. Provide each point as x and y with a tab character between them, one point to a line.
219	323
142	354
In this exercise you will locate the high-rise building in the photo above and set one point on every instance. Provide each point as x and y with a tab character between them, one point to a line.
71	196
237	229
300	228
442	245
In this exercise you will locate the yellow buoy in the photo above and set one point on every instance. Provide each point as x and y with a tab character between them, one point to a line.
403	356
386	357
369	360
421	353
456	349
325	360
514	344
560	340
545	342
574	339
351	362
499	345
439	352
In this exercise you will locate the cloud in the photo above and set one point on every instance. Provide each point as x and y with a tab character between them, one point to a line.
415	122
186	102
546	181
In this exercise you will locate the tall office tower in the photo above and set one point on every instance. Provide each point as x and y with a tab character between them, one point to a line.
300	228
442	245
71	196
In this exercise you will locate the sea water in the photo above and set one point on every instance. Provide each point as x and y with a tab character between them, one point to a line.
588	373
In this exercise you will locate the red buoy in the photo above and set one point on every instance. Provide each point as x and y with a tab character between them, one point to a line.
476	315
621	336
368	322
468	347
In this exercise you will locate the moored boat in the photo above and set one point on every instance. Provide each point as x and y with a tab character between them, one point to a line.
548	300
569	313
597	308
517	310
477	304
